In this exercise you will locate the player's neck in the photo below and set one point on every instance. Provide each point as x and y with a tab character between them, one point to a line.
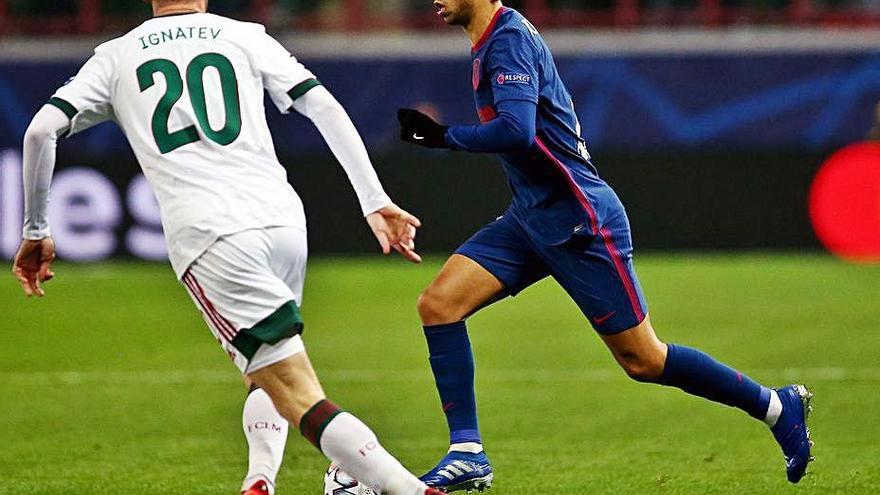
160	10
481	20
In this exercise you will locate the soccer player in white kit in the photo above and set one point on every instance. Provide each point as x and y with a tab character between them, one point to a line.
187	88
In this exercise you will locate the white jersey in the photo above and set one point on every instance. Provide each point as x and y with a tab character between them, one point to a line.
187	90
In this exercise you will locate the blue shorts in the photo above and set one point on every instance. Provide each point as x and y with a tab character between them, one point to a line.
595	270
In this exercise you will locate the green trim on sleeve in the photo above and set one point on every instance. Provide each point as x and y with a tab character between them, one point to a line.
303	88
284	323
64	106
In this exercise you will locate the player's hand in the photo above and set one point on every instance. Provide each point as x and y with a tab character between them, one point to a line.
395	229
33	265
418	128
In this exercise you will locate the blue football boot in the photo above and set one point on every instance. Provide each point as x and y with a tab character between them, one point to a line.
791	431
460	471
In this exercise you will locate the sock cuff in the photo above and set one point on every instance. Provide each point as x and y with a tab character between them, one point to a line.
669	364
316	419
445	327
763	406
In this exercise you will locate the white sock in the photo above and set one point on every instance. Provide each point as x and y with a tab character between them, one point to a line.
354	447
266	433
471	447
774	410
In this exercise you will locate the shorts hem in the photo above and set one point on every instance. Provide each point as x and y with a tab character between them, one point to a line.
484	264
616	331
267	355
284	322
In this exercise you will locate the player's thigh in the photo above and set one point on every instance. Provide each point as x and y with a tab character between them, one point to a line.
597	272
496	262
251	311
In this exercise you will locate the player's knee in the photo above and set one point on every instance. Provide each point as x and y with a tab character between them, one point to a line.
435	308
642	368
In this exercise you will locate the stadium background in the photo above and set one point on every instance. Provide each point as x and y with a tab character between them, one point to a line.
710	117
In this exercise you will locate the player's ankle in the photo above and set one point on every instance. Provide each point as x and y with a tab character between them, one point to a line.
469	447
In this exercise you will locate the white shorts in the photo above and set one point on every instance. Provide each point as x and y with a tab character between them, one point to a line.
248	286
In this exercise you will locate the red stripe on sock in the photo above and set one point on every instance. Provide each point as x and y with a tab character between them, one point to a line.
314	422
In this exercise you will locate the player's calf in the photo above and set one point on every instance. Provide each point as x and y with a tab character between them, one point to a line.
639	352
785	410
292	385
646	368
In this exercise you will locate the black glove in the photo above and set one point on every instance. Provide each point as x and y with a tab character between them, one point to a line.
418	128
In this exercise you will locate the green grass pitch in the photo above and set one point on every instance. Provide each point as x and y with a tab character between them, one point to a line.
113	385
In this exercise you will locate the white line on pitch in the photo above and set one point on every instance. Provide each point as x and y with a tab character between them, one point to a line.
595	375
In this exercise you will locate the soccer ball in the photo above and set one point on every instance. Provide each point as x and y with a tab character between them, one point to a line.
336	482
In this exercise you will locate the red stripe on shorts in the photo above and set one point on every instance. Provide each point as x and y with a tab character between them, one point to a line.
624	274
619	265
223	321
209	318
220	324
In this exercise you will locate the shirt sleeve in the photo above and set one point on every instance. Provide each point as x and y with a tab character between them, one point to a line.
513	68
513	130
38	166
284	77
346	144
87	98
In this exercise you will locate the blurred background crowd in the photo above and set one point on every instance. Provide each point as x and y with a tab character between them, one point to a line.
86	16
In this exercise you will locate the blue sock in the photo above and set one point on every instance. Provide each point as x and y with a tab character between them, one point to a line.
452	362
698	374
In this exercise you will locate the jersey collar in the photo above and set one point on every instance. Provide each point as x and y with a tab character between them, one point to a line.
174	14
489	29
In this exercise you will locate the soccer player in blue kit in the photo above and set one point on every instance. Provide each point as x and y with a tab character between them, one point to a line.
564	222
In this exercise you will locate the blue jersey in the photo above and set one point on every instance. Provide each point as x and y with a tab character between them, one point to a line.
557	191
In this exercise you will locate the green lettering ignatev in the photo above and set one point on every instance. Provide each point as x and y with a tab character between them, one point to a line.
181	33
